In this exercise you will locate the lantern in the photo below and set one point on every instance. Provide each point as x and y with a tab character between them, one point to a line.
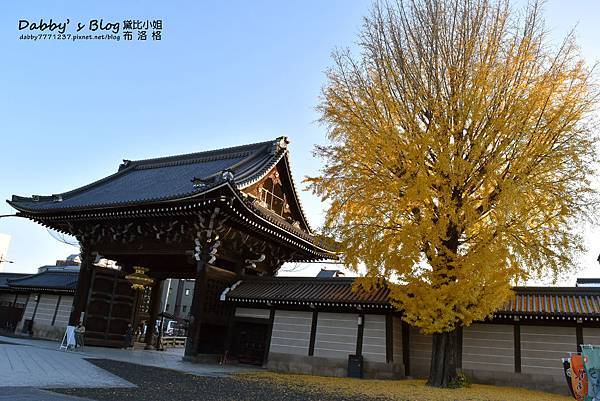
139	279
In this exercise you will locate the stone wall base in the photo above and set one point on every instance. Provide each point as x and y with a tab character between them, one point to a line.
313	365
48	332
202	358
532	381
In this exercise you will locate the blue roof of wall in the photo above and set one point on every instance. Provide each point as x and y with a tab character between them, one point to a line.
49	280
166	178
4	277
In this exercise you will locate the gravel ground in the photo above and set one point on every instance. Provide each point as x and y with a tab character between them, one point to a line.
156	384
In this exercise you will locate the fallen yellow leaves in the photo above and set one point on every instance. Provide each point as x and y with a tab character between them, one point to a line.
401	390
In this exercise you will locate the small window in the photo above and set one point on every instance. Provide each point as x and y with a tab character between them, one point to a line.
184	308
168	306
187	291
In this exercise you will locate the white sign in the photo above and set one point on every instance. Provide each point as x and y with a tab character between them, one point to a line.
68	341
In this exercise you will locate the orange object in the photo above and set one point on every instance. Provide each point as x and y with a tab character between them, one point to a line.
579	379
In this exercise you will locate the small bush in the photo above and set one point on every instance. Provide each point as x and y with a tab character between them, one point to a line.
460	381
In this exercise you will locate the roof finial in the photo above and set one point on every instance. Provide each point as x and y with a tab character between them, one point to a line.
227	175
283	142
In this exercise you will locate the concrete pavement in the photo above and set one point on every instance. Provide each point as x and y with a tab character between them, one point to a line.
26	366
169	359
34	394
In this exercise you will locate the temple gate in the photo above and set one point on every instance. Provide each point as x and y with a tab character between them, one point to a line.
214	216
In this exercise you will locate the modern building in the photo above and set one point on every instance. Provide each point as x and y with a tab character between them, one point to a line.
176	298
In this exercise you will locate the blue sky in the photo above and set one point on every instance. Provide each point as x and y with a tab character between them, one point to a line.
225	73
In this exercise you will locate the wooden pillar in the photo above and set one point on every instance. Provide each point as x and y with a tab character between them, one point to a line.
313	333
389	338
56	310
269	334
459	363
230	332
360	333
517	344
193	334
579	334
406	348
155	297
83	285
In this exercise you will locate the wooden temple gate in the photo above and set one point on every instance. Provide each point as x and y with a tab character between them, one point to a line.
214	216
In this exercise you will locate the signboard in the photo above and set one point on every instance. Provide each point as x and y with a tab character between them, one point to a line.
68	341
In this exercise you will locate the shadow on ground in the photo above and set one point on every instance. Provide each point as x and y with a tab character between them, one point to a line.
156	384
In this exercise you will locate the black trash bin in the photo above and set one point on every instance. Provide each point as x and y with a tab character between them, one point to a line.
355	366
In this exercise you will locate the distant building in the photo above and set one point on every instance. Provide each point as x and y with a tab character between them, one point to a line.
588	282
40	304
324	273
4	242
177	297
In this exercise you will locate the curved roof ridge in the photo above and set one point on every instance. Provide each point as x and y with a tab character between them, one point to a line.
246	153
196	157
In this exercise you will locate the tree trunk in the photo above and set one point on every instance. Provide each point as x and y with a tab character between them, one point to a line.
446	358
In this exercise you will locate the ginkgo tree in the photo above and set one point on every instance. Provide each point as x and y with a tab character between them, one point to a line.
460	154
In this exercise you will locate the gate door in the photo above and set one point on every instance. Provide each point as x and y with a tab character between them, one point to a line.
110	307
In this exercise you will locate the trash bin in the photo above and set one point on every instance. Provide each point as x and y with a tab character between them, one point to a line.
355	366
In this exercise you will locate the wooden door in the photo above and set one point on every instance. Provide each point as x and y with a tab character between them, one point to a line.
110	308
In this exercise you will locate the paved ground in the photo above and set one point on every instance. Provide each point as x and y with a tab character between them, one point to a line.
27	366
33	394
155	384
170	359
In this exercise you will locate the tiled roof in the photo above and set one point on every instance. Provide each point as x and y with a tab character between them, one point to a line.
305	291
529	302
554	301
166	178
49	280
4	277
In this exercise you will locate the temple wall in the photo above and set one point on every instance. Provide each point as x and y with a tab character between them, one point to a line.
45	324
7	297
488	347
420	353
22	299
28	314
542	348
336	335
252	313
591	335
291	332
64	311
488	352
374	346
